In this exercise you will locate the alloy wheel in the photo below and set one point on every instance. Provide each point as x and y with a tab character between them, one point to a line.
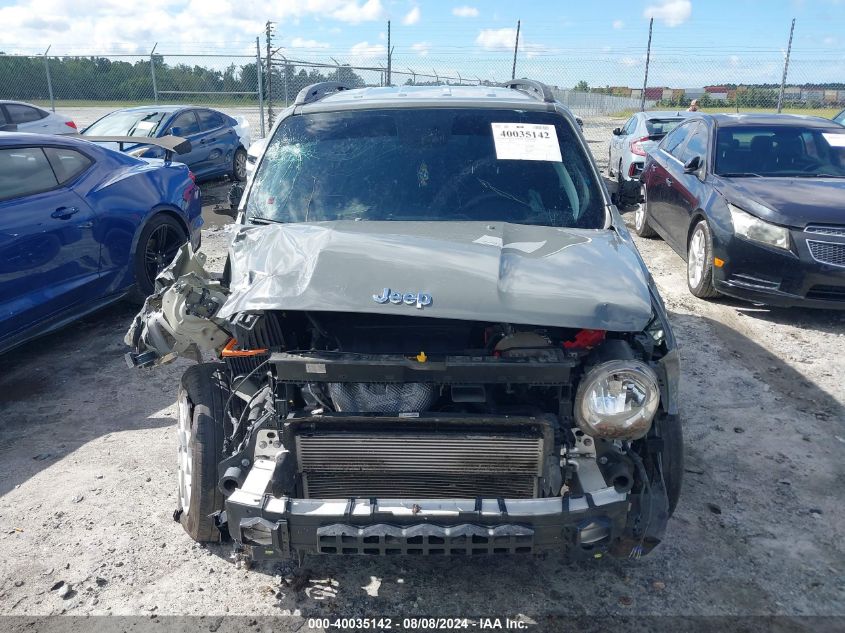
185	465
160	250
696	258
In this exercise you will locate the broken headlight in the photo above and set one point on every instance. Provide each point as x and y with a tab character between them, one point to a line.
617	400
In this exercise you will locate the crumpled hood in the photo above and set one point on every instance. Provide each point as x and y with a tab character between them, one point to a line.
793	202
470	270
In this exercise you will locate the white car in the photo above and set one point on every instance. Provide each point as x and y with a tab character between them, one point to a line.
29	118
641	133
254	153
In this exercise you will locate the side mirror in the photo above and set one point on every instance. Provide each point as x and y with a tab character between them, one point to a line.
175	131
236	192
617	131
692	165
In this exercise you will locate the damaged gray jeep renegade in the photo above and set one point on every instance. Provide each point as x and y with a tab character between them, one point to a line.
433	336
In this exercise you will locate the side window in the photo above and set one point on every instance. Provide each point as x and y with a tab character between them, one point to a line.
3	119
66	163
697	144
23	114
630	126
675	139
186	122
840	118
23	172
209	120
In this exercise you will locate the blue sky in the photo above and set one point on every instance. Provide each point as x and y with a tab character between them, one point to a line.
602	42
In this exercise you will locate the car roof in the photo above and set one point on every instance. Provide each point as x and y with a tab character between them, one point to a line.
666	114
36	140
155	108
427	96
26	103
752	119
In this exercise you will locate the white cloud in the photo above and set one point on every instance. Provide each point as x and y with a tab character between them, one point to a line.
670	12
412	17
496	39
350	12
632	62
421	48
465	12
365	50
618	24
299	42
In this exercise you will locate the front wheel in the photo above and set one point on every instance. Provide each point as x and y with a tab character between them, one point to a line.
641	224
203	393
700	262
239	165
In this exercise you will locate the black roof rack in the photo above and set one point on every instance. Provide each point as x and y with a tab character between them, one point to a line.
315	92
536	89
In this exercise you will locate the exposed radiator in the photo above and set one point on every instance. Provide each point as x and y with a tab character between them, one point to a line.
418	464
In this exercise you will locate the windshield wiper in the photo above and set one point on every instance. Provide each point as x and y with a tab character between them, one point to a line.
817	176
739	174
257	219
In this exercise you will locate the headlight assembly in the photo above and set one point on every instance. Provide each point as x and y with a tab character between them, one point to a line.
755	229
617	400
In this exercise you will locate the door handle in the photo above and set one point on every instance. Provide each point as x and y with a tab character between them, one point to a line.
63	213
668	182
202	141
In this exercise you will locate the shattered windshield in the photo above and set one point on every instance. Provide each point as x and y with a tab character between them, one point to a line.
427	164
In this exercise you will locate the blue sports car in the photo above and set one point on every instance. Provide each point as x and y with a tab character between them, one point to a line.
218	141
82	225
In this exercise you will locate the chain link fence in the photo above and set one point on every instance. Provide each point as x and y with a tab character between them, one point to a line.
592	85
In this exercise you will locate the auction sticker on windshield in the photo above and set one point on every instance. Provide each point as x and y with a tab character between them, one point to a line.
526	141
835	140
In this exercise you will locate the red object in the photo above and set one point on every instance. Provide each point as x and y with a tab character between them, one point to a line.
192	176
585	339
70	124
636	148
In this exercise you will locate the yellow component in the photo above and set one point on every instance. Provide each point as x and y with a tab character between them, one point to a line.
597	555
421	357
718	263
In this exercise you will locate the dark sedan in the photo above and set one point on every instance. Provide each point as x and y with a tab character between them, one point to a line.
755	204
218	141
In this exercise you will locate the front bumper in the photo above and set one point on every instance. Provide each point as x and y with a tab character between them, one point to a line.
269	527
771	276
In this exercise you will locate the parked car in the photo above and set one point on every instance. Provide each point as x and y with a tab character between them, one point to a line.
29	118
218	141
640	134
254	152
840	118
82	226
754	203
436	336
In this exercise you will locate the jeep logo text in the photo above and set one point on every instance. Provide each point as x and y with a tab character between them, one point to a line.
419	299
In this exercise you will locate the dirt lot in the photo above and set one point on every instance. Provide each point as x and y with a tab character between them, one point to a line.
87	489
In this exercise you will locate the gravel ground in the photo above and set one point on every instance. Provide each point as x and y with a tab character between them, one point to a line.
87	489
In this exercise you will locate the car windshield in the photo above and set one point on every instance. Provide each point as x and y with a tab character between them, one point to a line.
780	150
127	124
427	164
661	127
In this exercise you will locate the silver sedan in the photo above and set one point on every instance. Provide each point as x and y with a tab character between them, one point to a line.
641	133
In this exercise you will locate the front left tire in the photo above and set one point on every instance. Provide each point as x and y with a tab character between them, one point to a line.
700	262
239	165
203	393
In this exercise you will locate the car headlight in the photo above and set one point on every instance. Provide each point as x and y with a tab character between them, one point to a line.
755	229
617	400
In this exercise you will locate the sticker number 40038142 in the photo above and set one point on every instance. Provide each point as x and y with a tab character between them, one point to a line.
526	141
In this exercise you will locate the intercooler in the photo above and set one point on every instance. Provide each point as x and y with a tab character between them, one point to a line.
428	464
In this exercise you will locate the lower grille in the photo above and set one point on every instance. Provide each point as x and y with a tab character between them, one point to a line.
832	253
827	293
416	464
425	539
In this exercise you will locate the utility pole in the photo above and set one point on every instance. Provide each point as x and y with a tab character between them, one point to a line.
515	49
153	72
49	80
785	67
647	62
260	81
389	52
268	33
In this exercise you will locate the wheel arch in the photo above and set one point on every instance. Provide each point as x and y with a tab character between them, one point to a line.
696	217
159	209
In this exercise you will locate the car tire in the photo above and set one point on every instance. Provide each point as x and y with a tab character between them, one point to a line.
642	227
700	262
160	238
672	458
239	165
203	392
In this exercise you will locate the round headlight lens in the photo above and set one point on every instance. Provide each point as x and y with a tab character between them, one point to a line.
617	400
